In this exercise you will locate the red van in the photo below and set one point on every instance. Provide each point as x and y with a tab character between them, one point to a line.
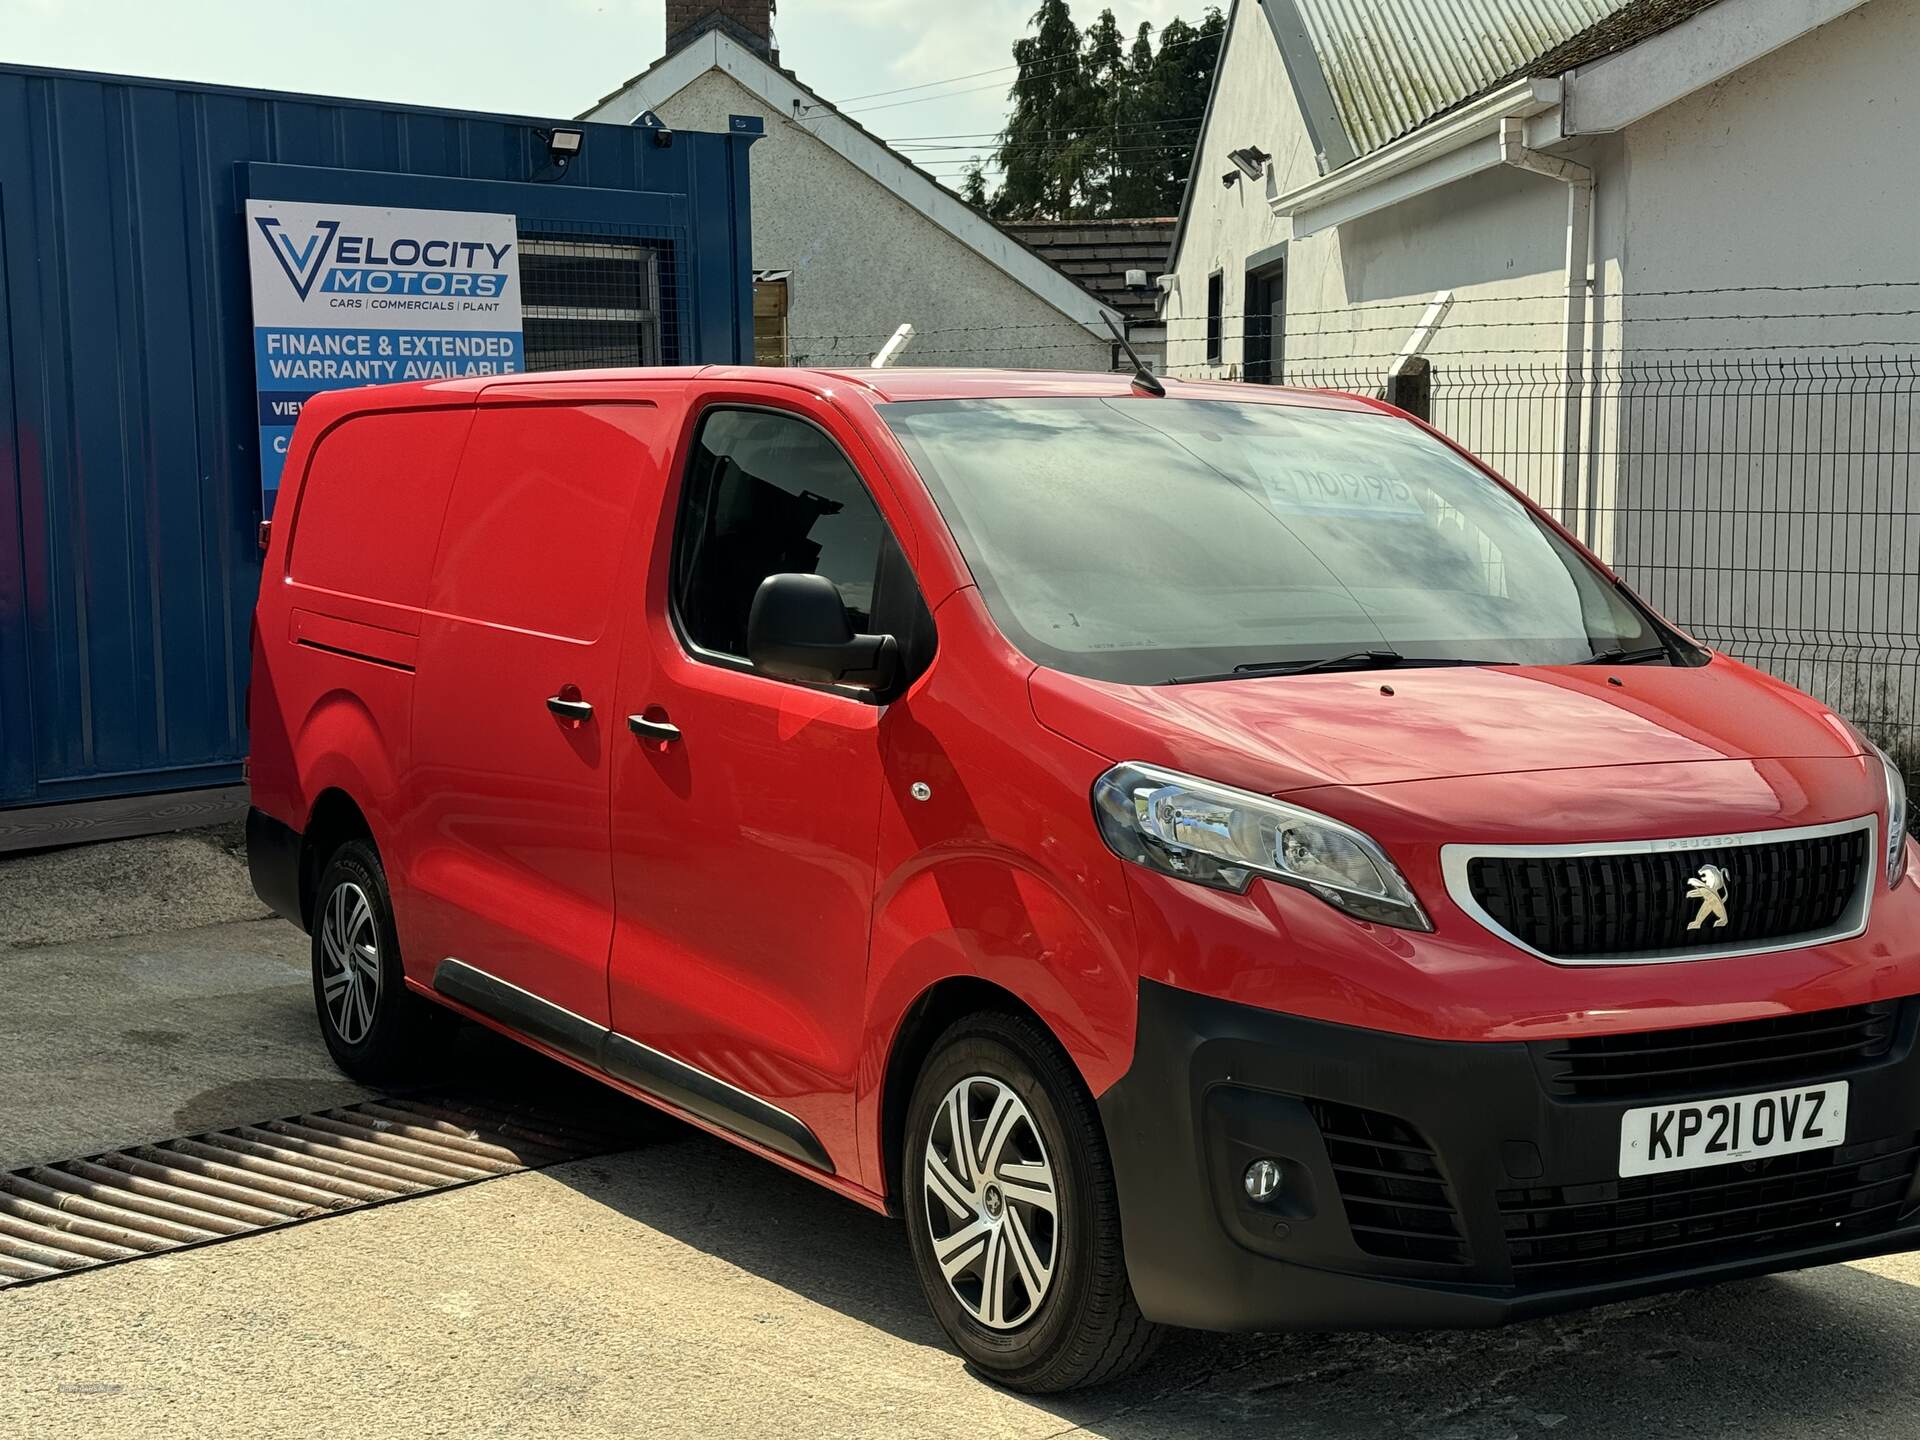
1215	858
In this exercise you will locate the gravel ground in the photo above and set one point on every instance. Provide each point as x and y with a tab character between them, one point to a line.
126	887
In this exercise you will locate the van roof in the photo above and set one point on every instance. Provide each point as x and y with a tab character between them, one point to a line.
904	383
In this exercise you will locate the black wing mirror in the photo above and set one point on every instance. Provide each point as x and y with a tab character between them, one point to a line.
798	629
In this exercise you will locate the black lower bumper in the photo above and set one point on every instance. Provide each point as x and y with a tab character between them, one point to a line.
1426	1183
273	864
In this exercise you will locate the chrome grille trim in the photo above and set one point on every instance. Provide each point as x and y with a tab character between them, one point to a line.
1455	859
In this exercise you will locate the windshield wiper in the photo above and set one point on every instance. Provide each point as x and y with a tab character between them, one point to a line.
1352	660
1621	656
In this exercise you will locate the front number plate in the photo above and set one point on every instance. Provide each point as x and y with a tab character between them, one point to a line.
1720	1132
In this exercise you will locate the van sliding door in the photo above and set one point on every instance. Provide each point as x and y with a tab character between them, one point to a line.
514	711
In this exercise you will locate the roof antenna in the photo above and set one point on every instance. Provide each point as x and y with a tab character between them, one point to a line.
1144	380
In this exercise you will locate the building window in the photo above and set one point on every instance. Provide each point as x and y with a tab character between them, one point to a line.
591	301
770	317
1216	298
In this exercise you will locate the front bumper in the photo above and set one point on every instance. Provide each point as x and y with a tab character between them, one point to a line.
1524	1212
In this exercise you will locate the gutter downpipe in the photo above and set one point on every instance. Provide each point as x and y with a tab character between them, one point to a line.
1579	182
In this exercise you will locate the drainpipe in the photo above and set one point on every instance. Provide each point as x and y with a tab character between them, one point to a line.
1579	182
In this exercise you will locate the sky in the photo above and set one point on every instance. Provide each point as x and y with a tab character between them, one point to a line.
556	57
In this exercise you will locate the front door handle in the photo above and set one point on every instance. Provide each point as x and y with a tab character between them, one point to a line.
570	707
658	730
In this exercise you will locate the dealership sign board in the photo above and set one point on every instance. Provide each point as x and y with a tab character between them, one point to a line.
348	295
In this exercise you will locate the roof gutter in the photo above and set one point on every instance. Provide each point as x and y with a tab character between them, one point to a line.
1601	98
1439	153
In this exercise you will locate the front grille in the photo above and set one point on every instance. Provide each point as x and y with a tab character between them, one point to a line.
1578	1234
1398	1204
1744	1055
1597	905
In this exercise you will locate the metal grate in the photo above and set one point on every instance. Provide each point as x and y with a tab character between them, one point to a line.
1577	906
1578	1234
1398	1204
599	297
1746	1055
57	1219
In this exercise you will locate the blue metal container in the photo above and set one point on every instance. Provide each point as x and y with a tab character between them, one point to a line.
129	472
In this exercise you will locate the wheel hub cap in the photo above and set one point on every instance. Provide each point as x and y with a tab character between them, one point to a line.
991	1204
349	963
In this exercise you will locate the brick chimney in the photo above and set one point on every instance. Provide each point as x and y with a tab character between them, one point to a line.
748	21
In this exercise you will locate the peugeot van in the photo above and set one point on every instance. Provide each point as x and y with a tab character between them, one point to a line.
1198	855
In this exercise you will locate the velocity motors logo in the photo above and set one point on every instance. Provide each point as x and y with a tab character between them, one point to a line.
357	264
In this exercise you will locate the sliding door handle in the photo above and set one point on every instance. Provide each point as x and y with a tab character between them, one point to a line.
568	708
658	730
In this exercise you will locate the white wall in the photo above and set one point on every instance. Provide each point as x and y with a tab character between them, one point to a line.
1768	489
864	261
1252	106
1354	293
1767	498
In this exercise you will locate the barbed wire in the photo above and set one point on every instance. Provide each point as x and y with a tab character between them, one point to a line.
1372	306
1437	359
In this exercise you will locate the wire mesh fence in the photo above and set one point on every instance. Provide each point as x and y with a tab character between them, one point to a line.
1767	505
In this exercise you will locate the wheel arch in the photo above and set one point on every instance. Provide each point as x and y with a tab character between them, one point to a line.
336	817
927	1018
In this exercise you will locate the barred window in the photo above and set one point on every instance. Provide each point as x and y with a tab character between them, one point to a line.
593	300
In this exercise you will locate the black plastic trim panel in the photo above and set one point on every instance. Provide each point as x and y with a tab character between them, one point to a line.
701	1094
524	1011
632	1063
273	864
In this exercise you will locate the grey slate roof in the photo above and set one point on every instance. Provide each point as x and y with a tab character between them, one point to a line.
1098	253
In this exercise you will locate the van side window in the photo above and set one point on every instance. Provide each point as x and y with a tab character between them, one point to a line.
769	494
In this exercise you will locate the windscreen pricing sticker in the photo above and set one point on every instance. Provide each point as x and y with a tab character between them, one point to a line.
1360	494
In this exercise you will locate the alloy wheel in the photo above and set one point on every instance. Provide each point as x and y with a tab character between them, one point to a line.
350	962
991	1202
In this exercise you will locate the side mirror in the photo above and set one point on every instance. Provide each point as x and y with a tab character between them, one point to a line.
798	629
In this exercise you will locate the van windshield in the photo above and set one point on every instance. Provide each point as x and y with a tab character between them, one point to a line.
1147	541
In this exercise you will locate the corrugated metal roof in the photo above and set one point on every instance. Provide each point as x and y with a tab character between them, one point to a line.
1392	66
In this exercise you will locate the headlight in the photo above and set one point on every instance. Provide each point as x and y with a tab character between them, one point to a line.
1219	836
1896	817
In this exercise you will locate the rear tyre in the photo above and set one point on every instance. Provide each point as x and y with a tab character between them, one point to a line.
1012	1215
375	1028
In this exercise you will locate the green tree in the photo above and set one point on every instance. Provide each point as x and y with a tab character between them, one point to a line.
1134	192
1041	149
1097	128
1168	102
1105	91
973	186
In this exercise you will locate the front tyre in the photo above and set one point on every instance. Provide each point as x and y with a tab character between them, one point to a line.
1012	1215
375	1028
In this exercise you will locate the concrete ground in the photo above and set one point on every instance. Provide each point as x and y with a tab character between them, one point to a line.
106	1043
687	1289
684	1288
